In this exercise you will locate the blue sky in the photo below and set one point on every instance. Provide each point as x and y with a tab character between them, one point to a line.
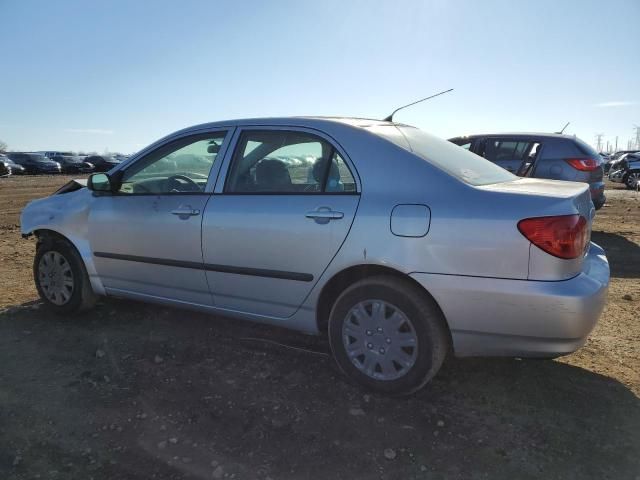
120	74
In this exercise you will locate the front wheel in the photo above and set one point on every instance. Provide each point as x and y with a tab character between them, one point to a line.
61	278
388	335
632	180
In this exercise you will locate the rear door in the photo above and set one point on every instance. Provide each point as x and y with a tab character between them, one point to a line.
277	218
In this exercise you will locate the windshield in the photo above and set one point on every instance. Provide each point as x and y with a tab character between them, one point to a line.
456	161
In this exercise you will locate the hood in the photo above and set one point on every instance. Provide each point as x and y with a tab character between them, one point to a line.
71	186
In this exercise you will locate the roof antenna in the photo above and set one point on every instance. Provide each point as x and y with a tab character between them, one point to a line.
390	117
563	128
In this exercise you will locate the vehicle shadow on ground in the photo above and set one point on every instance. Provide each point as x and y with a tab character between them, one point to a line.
150	389
623	254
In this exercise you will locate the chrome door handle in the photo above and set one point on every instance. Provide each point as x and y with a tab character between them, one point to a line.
185	211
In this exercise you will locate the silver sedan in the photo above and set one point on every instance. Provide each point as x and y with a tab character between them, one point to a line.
399	246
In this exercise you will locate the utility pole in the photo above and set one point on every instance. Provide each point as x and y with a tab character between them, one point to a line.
637	129
599	141
616	144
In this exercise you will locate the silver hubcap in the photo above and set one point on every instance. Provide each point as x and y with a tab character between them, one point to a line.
380	340
633	179
55	277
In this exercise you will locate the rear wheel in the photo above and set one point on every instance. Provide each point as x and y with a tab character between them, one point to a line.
632	180
388	335
61	278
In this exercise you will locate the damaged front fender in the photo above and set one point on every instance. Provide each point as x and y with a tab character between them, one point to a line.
66	213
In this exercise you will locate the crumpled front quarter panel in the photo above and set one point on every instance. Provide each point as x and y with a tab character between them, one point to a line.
66	214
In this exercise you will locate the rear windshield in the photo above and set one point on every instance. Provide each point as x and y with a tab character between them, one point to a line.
456	161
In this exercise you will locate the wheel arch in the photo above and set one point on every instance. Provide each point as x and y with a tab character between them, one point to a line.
343	279
42	233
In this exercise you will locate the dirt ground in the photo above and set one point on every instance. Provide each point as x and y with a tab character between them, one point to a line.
133	391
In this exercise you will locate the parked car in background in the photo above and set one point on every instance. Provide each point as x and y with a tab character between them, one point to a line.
53	153
541	155
5	166
34	163
73	164
295	222
620	153
613	163
15	168
120	157
102	163
627	170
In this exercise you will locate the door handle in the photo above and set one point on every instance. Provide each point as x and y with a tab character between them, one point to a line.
328	214
185	211
324	214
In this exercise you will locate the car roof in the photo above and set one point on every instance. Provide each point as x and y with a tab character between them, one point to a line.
520	135
301	121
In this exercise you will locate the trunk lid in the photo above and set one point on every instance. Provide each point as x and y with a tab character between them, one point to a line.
577	193
545	198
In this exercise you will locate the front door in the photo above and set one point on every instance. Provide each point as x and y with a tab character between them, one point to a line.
284	211
146	237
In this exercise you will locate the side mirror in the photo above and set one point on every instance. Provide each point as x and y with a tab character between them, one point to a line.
100	182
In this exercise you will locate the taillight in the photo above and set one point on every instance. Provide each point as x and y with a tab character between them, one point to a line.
564	236
583	164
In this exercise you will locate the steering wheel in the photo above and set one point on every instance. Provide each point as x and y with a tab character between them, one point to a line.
177	181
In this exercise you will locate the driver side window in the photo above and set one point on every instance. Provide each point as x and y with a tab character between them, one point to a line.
182	166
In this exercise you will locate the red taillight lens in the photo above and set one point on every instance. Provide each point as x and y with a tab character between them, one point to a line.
583	164
564	236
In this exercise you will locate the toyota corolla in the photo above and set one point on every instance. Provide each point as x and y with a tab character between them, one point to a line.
399	246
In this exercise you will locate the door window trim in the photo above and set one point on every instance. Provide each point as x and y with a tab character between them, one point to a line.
235	143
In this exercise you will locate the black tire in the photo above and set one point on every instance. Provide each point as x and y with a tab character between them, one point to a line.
428	324
81	296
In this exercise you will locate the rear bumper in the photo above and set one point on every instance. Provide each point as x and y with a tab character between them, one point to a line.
597	193
523	318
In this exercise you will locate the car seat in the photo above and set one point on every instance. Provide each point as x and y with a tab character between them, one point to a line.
272	175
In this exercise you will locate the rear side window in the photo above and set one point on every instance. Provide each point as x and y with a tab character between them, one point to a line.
456	161
281	161
497	150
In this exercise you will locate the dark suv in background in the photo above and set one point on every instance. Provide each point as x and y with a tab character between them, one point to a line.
34	163
72	164
541	155
102	163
